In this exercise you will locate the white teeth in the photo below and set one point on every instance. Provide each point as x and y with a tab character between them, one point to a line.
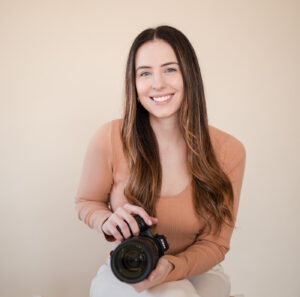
160	99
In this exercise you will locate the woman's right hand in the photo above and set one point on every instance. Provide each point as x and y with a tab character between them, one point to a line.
125	214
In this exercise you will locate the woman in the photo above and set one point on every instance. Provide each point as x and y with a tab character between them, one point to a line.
163	161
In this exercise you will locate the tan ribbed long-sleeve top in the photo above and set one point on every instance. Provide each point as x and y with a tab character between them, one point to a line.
192	250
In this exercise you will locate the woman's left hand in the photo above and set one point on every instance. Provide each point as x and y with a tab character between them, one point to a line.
157	276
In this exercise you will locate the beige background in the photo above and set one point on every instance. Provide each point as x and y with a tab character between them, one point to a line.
62	67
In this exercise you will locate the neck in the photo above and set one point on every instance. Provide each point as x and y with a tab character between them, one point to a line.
167	131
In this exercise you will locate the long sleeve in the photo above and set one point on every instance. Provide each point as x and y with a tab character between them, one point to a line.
208	250
96	180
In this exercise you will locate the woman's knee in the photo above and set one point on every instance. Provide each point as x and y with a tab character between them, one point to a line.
180	288
102	282
212	285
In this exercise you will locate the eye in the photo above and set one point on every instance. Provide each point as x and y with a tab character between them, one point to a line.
171	69
144	73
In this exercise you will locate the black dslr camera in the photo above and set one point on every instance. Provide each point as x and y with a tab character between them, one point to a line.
134	258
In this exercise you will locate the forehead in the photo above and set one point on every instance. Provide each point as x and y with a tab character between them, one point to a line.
154	52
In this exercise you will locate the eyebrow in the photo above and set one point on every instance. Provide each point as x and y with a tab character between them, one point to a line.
162	65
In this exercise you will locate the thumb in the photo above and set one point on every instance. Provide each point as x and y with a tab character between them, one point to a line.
155	274
152	277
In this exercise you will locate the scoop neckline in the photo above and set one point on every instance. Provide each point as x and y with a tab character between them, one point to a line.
179	194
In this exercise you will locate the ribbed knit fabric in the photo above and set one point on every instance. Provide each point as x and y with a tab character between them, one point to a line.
192	249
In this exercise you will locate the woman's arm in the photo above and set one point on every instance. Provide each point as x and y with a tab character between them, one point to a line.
96	181
208	249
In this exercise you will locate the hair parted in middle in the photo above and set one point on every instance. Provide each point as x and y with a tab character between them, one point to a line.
212	189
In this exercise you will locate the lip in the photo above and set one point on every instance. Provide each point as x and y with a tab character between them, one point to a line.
163	102
161	95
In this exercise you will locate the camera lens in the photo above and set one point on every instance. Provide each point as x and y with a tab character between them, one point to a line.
133	260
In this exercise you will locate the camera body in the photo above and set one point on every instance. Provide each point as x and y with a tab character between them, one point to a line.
134	258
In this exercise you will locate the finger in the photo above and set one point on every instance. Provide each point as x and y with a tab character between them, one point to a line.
159	271
141	212
113	222
109	228
154	275
141	286
112	230
120	231
154	220
131	222
122	226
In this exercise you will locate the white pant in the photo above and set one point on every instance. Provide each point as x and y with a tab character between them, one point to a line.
213	283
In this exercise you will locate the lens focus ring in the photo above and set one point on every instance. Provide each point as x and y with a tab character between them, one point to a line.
134	259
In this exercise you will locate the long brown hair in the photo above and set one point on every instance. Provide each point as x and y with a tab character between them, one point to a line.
212	189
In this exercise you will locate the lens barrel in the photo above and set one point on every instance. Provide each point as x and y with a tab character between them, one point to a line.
134	259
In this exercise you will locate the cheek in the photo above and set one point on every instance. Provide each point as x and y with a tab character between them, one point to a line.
180	83
177	83
142	87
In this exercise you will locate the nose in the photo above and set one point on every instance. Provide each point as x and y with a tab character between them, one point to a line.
158	81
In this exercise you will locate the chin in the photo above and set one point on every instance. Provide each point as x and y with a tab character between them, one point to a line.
164	115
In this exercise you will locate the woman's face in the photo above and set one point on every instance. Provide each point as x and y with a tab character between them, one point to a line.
159	81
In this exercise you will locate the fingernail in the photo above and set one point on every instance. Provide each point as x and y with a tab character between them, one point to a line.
149	222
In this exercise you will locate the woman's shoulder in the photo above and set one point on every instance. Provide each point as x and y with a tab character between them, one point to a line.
111	130
107	134
221	137
226	146
111	127
107	137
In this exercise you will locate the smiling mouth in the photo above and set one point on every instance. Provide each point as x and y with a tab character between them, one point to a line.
161	98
